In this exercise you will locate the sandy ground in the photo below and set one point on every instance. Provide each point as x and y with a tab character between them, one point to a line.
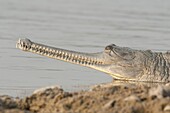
104	98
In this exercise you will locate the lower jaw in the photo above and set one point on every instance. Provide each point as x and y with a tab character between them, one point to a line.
135	80
123	78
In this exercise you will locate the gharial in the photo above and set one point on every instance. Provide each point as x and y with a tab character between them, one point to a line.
121	63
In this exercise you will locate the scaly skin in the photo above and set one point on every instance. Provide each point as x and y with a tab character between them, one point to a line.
120	62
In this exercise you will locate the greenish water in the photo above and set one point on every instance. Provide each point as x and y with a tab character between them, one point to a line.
82	25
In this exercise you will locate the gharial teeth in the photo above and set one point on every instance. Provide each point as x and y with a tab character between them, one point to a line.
75	57
85	58
59	52
33	45
47	49
67	56
37	46
56	52
43	48
72	56
53	51
40	47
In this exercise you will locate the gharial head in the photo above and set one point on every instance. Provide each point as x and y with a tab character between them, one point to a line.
120	62
125	63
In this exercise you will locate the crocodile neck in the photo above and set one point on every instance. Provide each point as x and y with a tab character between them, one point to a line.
157	68
167	57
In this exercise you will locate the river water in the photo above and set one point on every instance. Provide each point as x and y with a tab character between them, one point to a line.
80	25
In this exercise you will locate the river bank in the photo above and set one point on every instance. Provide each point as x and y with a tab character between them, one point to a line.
102	98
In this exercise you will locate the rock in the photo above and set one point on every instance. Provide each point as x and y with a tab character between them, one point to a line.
160	91
167	108
14	111
109	104
132	98
103	99
166	91
45	89
7	102
43	99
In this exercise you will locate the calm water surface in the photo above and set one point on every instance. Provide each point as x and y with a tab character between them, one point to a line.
82	25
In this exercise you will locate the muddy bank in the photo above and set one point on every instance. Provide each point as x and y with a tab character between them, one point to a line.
105	98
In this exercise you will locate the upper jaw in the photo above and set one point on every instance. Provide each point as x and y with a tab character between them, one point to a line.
24	44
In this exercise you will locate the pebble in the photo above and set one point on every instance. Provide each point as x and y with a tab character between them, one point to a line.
160	91
167	108
7	102
41	90
132	98
109	104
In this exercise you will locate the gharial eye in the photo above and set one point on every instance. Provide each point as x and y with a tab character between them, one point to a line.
110	47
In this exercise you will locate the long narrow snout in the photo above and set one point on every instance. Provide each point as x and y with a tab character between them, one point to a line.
93	60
